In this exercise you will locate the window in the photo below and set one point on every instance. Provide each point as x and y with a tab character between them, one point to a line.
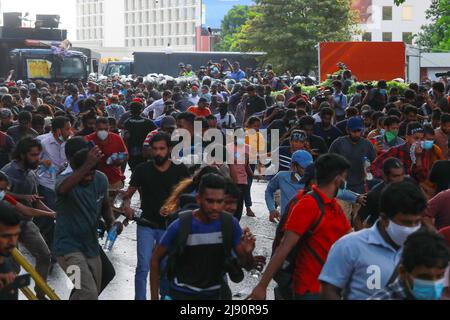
367	36
407	37
387	36
407	13
387	13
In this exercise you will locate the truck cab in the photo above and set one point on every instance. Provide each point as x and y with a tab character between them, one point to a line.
45	65
122	68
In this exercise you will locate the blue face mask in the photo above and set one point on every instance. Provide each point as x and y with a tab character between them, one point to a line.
2	195
383	91
428	290
428	144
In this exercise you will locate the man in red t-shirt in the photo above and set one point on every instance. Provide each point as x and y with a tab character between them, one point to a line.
110	144
298	95
202	110
331	172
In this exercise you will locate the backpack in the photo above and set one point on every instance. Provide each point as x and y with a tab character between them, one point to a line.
176	252
283	277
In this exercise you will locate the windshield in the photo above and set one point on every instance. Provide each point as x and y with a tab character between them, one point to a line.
55	68
121	69
72	67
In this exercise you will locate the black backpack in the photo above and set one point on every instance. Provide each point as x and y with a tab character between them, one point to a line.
283	277
230	266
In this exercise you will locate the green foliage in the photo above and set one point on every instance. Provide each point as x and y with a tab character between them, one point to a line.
436	36
231	25
290	30
312	91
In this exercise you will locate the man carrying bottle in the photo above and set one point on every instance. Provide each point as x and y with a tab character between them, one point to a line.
82	195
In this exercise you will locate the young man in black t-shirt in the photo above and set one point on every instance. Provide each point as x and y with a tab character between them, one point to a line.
9	236
155	181
136	130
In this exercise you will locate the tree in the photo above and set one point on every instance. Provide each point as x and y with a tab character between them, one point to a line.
289	30
231	25
436	36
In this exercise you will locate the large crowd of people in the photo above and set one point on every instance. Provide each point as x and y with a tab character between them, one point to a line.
360	191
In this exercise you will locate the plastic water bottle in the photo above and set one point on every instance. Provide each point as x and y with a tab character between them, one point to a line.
41	171
111	159
367	165
52	172
137	213
111	239
118	201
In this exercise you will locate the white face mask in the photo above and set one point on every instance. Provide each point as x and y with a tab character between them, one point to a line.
103	135
399	234
280	104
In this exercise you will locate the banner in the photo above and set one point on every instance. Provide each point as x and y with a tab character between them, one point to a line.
38	68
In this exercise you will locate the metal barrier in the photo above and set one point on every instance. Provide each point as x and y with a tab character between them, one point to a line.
40	283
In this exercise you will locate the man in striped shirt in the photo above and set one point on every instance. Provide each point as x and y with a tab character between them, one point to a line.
298	141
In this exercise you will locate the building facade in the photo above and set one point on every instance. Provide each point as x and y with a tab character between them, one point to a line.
138	24
382	20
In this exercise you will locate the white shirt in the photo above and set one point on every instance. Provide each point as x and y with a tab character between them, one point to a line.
157	107
55	152
317	118
194	99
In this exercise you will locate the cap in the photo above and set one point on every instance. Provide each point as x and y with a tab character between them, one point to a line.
303	158
194	88
355	124
204	100
413	128
5	113
299	135
168	122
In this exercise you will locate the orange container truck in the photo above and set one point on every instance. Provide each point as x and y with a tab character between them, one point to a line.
367	60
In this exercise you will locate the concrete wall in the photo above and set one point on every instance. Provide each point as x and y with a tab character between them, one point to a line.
114	19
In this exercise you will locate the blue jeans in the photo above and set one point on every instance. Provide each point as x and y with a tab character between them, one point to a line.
147	238
248	191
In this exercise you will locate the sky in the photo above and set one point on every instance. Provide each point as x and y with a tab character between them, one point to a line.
65	8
